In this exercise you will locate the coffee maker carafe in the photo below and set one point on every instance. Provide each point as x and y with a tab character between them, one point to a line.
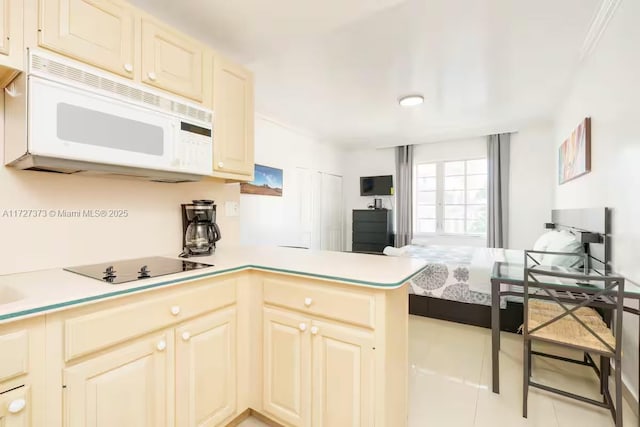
200	231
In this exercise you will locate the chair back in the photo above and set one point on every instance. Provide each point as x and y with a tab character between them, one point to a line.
559	305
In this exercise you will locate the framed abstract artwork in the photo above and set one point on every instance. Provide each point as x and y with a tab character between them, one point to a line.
574	157
267	181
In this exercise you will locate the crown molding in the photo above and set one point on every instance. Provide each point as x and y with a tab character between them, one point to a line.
598	26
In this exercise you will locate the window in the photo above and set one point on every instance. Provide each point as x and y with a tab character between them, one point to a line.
451	198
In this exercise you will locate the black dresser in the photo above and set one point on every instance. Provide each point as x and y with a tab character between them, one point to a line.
372	230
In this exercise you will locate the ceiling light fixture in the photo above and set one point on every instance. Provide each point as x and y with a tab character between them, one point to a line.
411	100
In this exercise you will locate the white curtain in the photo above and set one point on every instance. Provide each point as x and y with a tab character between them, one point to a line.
404	195
498	190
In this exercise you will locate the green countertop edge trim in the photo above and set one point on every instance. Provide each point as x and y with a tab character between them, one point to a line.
202	276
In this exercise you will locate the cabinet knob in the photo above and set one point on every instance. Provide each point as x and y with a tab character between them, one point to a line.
314	330
128	68
186	336
308	301
152	76
303	327
175	310
17	406
161	345
220	164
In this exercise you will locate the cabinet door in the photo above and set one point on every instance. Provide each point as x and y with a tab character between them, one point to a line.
287	367
11	39
5	26
206	369
170	61
98	32
129	386
15	408
342	376
233	128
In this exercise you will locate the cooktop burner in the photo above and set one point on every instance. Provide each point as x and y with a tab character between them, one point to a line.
130	270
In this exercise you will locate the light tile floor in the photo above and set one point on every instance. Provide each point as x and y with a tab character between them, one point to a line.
450	383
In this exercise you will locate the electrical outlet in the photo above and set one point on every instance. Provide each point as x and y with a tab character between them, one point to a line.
231	209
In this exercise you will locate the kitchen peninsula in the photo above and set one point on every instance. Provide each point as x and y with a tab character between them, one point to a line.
295	336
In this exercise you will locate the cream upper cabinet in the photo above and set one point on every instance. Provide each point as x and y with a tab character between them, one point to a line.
170	61
98	32
128	386
233	129
11	36
206	369
343	386
5	26
15	408
287	367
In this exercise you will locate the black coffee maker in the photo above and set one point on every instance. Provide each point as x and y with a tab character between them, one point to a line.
200	231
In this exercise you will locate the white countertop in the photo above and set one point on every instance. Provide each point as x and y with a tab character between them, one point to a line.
51	290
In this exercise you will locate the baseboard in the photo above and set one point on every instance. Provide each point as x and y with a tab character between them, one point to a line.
255	414
239	419
268	421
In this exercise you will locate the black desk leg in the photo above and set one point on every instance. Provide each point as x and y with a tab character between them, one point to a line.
495	335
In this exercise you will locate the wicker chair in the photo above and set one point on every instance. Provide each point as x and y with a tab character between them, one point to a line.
563	315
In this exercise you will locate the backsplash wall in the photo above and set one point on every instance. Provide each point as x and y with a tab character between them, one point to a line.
152	225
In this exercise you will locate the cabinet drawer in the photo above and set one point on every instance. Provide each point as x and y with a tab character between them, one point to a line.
370	227
374	215
368	247
14	349
379	238
135	316
21	418
357	307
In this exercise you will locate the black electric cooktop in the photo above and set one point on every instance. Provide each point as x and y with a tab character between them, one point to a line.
129	270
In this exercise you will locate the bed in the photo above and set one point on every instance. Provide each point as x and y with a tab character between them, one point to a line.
455	285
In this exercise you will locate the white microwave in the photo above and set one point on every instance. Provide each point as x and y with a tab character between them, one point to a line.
64	116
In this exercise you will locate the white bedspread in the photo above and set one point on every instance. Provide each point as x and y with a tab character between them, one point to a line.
459	273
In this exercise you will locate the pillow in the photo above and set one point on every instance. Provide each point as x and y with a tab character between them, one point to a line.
392	251
560	241
543	241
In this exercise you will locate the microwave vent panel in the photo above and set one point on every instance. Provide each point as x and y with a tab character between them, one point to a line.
87	79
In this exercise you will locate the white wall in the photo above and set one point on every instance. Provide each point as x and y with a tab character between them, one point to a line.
292	219
607	88
532	177
369	162
153	225
373	162
461	149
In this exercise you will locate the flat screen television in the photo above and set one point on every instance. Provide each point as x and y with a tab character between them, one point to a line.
376	185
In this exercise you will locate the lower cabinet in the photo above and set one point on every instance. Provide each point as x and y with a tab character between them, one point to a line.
315	364
15	408
206	369
137	384
124	387
343	386
287	367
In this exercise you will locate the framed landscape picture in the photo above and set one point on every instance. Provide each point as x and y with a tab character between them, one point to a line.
267	181
574	158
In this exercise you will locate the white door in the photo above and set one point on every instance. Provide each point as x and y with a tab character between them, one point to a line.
331	212
305	207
